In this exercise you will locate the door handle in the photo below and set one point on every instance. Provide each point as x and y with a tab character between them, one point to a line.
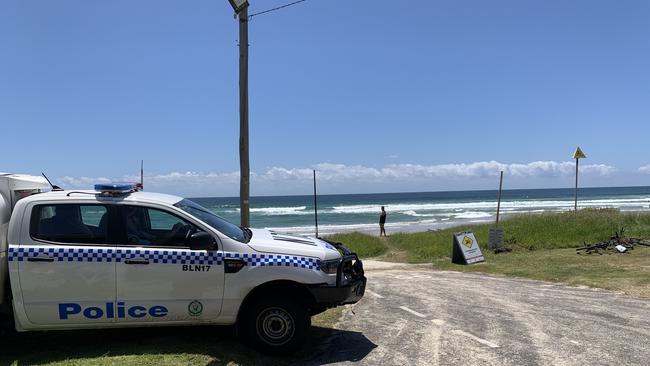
136	261
40	259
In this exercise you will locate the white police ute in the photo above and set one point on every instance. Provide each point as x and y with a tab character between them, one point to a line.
120	257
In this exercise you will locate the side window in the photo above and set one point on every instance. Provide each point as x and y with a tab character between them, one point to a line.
153	227
92	215
163	221
70	223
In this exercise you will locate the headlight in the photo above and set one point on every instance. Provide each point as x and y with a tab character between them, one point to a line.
331	266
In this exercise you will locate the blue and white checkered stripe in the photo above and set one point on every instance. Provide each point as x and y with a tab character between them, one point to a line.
159	256
278	260
171	256
59	254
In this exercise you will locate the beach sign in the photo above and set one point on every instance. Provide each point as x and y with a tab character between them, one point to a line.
466	249
579	154
495	236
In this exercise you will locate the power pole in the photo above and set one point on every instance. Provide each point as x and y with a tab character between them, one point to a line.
244	165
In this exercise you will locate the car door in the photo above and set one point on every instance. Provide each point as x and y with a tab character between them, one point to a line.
65	264
159	277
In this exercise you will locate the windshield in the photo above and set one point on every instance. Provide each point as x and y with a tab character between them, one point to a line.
222	225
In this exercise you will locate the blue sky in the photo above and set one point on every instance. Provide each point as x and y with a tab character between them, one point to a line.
379	96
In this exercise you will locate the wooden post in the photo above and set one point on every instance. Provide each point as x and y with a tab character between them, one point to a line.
499	197
244	164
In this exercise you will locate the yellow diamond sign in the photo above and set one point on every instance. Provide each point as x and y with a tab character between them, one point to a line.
579	154
467	241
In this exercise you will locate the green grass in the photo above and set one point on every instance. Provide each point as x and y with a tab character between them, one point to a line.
541	249
364	245
627	273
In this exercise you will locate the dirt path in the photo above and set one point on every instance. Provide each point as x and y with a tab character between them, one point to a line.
418	316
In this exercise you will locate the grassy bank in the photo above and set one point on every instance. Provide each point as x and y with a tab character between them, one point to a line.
541	249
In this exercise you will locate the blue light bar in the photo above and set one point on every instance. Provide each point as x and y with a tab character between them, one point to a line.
115	187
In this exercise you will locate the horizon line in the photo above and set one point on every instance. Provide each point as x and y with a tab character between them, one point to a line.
413	192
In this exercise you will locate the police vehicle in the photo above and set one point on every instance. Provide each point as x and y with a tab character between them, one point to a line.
120	257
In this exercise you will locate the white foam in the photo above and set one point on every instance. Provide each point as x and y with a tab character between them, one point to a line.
506	205
277	211
326	228
415	214
472	215
427	221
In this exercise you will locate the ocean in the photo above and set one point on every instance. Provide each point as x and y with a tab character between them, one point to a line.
417	211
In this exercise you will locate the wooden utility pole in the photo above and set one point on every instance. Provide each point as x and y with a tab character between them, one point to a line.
244	164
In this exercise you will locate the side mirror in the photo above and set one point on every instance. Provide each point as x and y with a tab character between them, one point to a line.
201	241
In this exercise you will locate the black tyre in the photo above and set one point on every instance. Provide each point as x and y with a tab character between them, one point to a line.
277	325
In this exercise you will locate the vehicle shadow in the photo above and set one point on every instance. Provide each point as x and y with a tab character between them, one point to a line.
209	345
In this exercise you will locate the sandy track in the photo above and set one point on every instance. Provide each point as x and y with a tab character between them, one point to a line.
423	317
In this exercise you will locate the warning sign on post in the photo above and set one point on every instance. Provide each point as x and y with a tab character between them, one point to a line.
466	249
579	154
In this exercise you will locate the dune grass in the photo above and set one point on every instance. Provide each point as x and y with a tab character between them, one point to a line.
363	244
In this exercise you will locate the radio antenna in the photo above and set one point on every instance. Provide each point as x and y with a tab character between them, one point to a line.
54	188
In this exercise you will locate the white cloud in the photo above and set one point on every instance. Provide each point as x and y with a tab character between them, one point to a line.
645	169
193	178
283	180
80	182
342	172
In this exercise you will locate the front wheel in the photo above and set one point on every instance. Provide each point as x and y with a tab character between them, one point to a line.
277	325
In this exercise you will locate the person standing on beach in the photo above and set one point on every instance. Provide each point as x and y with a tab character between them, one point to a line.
382	221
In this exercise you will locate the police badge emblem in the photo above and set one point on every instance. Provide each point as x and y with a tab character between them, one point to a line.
195	308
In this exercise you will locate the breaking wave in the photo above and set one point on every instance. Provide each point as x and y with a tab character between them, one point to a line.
472	215
278	211
517	205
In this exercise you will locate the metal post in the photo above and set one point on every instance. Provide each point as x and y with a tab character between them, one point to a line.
499	197
315	205
244	166
575	207
142	175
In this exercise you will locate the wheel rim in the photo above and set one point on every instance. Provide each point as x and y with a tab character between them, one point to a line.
275	326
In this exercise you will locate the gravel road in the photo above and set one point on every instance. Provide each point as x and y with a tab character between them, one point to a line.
416	316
